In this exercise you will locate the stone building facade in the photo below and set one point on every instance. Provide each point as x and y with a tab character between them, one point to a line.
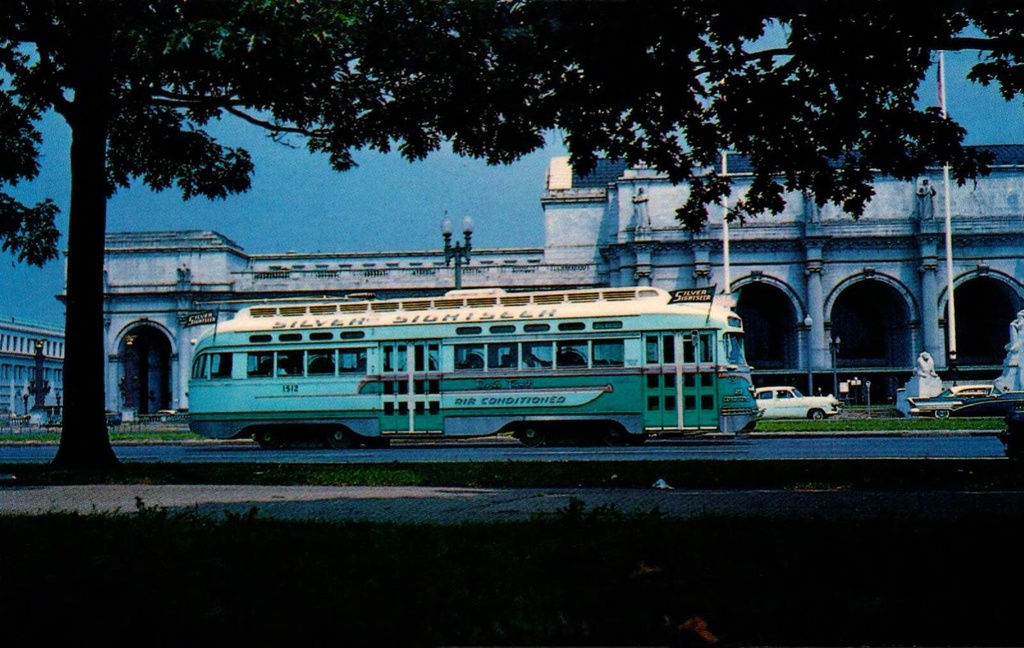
827	300
23	347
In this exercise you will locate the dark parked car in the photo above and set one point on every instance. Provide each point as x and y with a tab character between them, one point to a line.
967	400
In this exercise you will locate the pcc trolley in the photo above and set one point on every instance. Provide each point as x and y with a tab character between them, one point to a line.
610	365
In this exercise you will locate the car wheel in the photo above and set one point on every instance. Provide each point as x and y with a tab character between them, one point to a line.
339	439
532	436
269	439
942	414
816	414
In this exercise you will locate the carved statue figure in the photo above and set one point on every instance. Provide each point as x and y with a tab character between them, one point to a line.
926	365
1012	378
925	383
925	205
641	215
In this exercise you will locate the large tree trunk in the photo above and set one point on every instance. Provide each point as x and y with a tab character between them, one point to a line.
84	443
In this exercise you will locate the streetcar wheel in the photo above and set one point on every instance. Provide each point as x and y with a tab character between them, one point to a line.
339	440
531	436
942	414
268	439
816	414
614	436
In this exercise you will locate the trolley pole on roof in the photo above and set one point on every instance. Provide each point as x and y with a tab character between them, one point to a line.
460	251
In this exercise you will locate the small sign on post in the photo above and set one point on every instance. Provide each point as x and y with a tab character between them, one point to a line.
692	295
198	319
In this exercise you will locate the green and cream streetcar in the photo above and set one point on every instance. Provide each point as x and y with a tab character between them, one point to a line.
610	365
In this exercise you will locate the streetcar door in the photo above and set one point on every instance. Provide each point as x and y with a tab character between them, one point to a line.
662	389
700	380
680	381
411	393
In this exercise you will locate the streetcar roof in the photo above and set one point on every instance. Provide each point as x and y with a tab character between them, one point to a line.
474	306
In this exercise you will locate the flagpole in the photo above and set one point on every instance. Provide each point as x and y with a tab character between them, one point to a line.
725	230
951	305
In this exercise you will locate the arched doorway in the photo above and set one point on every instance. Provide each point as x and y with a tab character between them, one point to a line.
145	382
871	319
985	306
769	324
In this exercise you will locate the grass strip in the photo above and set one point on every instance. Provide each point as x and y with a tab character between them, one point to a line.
854	474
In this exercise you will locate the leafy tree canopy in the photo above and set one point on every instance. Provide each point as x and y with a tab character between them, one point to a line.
820	95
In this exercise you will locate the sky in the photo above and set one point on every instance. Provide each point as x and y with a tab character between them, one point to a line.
297	203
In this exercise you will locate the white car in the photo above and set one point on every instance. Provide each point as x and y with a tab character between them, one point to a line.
788	402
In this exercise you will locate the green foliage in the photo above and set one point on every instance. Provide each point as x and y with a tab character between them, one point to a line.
821	97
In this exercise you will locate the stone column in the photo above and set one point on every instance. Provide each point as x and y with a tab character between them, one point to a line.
816	309
930	307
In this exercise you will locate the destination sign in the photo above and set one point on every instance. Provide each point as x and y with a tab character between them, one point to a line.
692	295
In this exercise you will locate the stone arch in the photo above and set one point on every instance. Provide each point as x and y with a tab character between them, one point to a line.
145	350
873	316
986	303
771	312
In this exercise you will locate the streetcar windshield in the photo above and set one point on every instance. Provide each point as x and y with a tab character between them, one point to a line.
734	348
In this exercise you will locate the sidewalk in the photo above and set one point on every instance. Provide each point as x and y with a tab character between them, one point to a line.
460	505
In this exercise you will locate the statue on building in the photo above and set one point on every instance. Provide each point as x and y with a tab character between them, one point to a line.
812	212
184	274
641	214
1012	378
924	200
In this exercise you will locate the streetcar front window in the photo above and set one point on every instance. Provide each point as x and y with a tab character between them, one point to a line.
733	343
199	366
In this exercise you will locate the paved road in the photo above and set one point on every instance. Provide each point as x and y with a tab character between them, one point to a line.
805	446
458	505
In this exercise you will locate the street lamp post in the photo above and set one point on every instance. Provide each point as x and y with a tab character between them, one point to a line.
460	251
833	347
807	349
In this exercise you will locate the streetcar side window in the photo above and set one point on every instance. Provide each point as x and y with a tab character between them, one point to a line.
394	357
260	364
502	356
651	349
352	360
573	353
289	363
320	362
707	347
220	365
469	356
610	353
538	354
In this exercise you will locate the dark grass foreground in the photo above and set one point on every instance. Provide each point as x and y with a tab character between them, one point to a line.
585	578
